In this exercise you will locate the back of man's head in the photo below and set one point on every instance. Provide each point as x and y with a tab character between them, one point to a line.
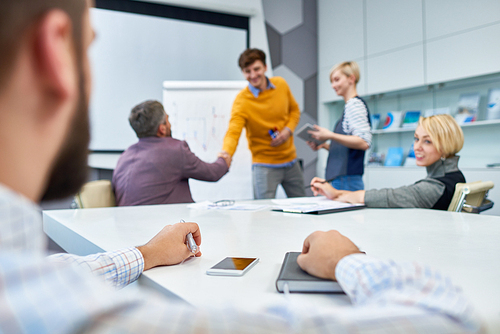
250	56
34	37
146	117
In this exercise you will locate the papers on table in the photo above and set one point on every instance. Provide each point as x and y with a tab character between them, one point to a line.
314	205
207	205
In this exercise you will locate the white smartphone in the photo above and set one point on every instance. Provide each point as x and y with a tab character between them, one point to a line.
233	266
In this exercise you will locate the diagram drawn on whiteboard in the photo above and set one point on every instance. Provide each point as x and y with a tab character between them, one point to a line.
199	112
203	131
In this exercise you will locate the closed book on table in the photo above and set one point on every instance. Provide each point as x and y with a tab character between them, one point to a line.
300	281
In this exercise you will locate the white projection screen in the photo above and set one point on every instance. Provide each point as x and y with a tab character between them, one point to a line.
137	48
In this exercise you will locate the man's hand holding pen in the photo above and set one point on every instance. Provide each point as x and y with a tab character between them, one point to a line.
169	245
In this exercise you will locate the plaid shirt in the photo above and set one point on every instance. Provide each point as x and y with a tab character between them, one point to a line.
58	295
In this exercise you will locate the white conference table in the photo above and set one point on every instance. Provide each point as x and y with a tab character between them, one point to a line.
465	247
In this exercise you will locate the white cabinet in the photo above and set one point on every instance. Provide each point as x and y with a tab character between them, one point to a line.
445	17
340	31
409	43
468	54
395	70
392	24
340	38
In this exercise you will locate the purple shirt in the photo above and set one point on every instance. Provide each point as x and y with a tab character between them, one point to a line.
156	171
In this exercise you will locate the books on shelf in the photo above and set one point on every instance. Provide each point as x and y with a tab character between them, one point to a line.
375	120
392	120
493	108
410	120
437	111
468	106
411	160
394	157
376	159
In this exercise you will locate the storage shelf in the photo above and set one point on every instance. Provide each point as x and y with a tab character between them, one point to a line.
476	123
481	137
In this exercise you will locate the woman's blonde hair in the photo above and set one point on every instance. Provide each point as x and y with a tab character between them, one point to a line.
445	133
348	68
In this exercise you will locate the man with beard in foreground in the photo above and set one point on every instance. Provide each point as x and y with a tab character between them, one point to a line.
44	92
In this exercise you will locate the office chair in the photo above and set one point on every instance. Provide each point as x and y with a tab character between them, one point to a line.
95	194
471	197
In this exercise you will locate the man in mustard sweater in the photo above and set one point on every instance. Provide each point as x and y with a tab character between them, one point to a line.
269	113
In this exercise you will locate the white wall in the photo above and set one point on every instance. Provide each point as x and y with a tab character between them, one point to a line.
132	56
251	8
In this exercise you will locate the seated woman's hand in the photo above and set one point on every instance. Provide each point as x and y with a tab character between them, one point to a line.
320	187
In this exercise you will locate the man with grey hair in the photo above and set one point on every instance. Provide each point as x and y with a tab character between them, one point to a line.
156	170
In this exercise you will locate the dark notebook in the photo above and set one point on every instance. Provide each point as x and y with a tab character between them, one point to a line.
300	281
320	210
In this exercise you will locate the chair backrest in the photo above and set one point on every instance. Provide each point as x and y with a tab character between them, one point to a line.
96	194
471	194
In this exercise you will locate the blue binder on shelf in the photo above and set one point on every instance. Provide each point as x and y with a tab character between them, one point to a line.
394	157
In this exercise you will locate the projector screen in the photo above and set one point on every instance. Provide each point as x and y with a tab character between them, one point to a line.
134	53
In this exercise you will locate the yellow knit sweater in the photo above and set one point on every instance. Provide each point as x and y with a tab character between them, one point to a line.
275	107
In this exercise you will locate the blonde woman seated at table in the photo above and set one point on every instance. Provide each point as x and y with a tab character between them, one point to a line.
437	141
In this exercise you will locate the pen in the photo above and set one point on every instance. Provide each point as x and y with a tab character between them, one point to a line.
326	181
190	243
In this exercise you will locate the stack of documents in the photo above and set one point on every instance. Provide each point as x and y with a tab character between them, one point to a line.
207	205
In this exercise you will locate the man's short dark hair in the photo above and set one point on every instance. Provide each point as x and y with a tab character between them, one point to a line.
250	56
145	118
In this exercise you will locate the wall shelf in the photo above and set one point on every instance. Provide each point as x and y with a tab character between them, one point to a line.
473	124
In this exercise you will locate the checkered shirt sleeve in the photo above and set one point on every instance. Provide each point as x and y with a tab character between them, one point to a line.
118	268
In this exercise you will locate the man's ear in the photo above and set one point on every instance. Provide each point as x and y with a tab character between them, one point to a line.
162	130
55	55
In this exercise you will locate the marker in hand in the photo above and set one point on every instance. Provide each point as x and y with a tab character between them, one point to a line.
190	243
274	133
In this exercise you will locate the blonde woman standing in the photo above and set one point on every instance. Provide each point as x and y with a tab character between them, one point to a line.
351	136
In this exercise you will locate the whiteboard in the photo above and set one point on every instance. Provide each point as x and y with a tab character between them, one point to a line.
133	54
199	112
